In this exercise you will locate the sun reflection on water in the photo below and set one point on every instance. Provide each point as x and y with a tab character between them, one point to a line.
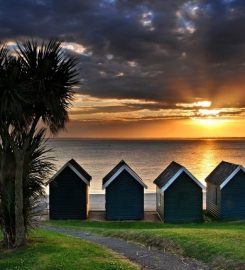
208	159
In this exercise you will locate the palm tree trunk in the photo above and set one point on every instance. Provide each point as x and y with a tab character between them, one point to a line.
20	233
8	236
2	164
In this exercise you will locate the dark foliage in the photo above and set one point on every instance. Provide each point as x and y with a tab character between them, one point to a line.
36	86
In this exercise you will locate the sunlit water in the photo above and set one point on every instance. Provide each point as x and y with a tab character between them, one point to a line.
147	158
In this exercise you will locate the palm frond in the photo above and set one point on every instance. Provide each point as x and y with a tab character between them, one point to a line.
52	75
39	164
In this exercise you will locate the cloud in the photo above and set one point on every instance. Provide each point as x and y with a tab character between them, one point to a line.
87	109
168	52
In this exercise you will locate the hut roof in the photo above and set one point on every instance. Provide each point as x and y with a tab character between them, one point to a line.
223	173
76	168
121	166
171	173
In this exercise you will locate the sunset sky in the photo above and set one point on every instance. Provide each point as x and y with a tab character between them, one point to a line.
148	69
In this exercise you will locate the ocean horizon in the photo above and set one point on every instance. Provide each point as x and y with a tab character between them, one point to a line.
146	139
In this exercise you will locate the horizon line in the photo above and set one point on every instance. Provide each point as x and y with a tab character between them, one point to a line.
146	139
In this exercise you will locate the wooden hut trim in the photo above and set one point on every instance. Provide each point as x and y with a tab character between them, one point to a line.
172	179
231	176
119	171
73	169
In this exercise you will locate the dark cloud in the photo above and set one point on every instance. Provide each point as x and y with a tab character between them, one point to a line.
167	51
127	107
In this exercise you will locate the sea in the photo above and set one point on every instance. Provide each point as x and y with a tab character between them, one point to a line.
148	158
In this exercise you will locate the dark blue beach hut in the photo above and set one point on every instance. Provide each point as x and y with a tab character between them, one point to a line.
124	194
179	195
68	192
226	191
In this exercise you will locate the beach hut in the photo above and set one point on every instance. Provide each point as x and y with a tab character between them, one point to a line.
68	192
226	191
179	195
124	193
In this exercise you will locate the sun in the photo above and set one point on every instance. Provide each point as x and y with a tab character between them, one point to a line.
208	117
209	122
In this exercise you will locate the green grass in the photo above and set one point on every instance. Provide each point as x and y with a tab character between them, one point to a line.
52	251
215	243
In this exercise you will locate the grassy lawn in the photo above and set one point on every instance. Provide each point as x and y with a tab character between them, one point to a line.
52	251
220	244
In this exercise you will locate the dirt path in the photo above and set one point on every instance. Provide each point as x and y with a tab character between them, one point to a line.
147	258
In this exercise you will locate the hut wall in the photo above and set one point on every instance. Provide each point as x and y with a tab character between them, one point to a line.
233	198
183	201
213	200
125	198
160	202
67	196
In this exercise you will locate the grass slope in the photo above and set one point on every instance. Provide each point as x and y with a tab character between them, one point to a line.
52	251
220	244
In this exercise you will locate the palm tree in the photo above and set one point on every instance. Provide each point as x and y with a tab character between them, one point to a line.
37	85
37	168
11	99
